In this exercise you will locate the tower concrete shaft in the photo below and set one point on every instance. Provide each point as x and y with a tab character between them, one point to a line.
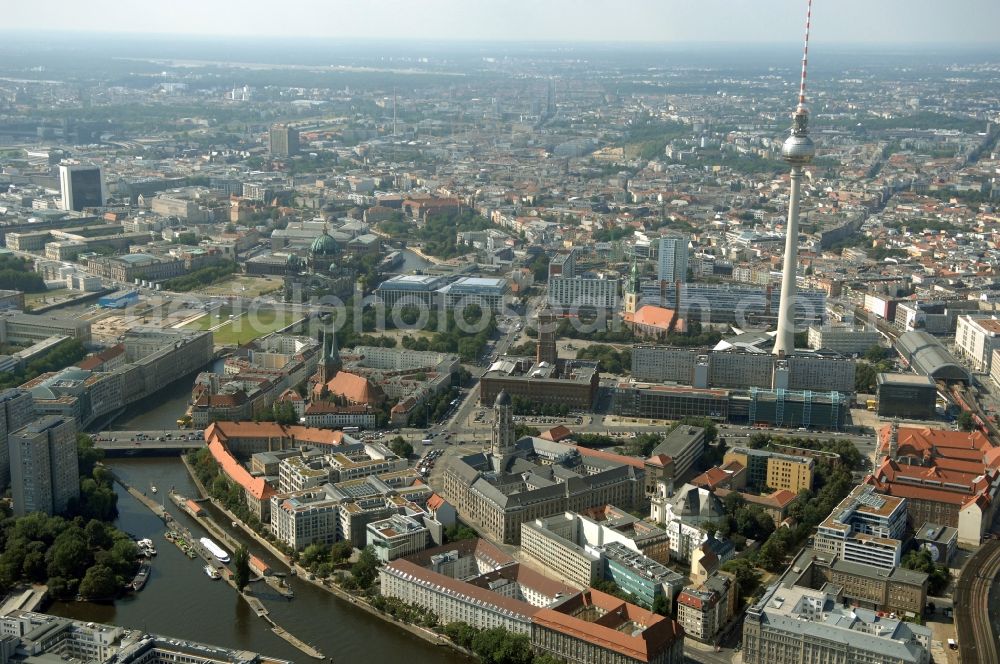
784	340
798	150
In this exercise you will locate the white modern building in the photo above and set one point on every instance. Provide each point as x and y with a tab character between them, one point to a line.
397	536
866	527
975	340
599	291
843	340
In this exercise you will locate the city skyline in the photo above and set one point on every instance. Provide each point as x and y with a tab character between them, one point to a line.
557	21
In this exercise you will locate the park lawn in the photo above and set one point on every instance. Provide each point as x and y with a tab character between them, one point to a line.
246	286
243	329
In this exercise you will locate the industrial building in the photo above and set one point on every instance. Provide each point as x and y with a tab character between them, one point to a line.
927	356
26	329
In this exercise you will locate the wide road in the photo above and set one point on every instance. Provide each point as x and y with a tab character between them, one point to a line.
976	620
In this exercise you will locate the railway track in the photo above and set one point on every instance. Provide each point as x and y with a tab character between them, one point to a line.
976	640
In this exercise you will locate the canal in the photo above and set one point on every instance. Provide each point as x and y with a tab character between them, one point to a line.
181	600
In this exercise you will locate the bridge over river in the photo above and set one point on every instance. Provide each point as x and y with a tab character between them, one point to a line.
169	441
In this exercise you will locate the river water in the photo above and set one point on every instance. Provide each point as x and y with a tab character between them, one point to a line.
181	600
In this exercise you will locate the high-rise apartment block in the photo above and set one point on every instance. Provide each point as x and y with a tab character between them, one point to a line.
284	140
17	408
673	259
82	186
43	466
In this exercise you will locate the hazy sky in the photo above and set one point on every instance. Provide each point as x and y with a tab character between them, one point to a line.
835	21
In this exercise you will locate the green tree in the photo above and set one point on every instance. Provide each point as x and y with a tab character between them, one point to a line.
461	633
241	567
875	354
746	575
938	576
341	551
661	605
499	646
314	555
366	569
400	447
61	588
99	582
459	531
88	456
965	421
69	556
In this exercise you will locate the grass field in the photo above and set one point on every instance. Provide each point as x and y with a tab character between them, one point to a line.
244	285
245	328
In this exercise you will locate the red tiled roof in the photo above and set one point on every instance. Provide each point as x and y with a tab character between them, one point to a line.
234	470
610	456
661	460
435	501
650	316
711	478
659	633
353	387
225	431
556	433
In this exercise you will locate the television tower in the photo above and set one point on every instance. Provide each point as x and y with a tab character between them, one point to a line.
798	151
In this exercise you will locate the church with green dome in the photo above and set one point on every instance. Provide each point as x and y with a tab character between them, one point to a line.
323	253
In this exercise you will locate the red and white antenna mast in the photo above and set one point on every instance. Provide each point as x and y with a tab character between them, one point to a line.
801	108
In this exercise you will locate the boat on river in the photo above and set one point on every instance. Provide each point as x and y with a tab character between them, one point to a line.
139	581
212	572
146	547
215	549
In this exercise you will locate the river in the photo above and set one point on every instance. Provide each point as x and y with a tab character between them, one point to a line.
412	262
180	600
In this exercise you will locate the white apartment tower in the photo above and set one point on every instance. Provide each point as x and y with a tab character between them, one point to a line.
673	259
